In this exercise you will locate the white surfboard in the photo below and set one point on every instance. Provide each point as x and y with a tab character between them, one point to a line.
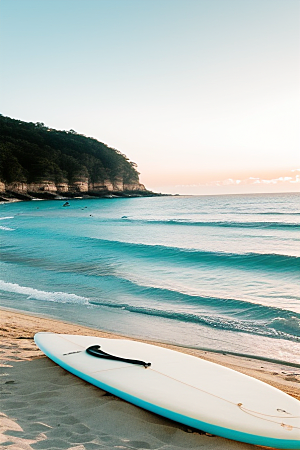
183	388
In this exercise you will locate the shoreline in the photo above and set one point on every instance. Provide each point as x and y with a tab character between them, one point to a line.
178	347
12	196
47	407
21	326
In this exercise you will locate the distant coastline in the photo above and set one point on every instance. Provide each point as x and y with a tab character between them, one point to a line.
16	195
38	162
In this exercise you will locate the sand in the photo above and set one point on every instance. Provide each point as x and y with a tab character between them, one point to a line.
45	407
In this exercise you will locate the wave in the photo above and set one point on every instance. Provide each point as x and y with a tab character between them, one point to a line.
218	313
218	223
275	213
144	294
271	262
250	261
292	324
31	293
6	218
240	309
6	228
257	327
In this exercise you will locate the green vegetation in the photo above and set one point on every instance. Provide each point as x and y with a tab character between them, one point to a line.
32	152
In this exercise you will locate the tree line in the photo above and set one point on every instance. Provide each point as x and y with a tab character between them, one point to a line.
32	152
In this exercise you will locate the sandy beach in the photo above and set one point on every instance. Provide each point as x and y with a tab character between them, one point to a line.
45	407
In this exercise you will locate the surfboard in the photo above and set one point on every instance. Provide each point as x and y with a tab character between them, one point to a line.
184	388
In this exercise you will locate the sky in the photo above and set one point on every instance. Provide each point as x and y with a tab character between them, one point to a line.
203	95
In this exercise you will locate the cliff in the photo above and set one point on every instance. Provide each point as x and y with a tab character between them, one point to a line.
41	162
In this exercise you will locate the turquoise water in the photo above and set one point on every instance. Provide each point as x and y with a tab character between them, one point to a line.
214	272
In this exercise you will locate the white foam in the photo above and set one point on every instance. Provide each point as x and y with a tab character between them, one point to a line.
58	297
6	228
6	218
290	325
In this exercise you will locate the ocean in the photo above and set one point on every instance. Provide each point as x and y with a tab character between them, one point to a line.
212	272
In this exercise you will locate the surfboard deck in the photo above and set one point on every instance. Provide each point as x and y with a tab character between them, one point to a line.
189	390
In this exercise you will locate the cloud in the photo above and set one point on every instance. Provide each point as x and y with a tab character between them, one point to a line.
249	181
280	180
255	180
296	180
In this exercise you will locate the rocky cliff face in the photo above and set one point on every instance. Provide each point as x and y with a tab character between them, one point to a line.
48	189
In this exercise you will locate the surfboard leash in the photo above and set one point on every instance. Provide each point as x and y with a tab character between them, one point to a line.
95	350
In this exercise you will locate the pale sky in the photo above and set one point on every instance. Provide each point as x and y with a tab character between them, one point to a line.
202	94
